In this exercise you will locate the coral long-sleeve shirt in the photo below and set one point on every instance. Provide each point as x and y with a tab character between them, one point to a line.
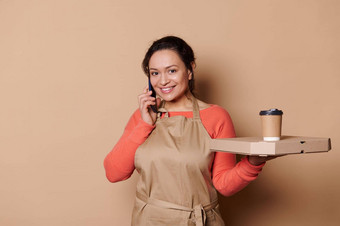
228	176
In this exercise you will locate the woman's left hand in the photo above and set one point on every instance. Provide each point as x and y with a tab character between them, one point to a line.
258	160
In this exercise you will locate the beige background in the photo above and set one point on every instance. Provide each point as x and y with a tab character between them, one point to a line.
69	79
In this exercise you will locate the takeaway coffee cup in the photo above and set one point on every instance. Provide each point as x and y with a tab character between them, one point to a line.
271	124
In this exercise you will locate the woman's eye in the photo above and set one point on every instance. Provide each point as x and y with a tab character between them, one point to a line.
172	71
154	73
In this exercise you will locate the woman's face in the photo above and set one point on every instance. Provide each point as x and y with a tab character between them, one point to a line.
169	75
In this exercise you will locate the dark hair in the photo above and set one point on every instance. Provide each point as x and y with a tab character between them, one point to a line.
178	45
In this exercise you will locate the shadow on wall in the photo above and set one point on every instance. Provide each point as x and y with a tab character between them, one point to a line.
203	87
210	89
244	206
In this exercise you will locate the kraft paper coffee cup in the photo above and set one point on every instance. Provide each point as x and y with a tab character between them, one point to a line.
271	124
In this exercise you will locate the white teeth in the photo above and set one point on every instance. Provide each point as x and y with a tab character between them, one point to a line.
167	89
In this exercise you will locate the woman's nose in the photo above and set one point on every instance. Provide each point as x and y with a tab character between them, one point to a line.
164	79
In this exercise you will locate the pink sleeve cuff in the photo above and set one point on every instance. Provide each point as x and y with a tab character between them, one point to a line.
247	171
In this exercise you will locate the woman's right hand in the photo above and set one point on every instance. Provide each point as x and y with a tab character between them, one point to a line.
145	101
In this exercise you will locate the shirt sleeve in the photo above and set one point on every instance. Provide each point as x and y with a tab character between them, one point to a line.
119	163
228	176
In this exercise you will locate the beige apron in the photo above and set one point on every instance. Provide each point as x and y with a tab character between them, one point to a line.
175	186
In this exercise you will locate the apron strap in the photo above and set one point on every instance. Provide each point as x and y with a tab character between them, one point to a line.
195	109
199	211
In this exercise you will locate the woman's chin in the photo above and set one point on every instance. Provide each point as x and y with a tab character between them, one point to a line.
167	99
173	97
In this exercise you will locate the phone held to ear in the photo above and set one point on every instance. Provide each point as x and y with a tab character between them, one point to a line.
153	107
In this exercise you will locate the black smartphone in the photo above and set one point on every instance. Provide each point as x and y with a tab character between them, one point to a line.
153	94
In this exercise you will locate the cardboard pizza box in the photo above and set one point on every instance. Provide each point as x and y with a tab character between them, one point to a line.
256	145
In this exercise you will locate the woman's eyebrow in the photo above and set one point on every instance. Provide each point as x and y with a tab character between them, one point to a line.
173	65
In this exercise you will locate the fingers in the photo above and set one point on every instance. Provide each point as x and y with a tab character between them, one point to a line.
145	100
146	89
258	160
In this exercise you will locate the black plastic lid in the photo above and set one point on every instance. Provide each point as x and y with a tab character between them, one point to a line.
272	111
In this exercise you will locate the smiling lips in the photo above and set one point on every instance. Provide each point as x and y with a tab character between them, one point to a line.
167	89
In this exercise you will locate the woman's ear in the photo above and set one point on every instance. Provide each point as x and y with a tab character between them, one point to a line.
189	75
193	66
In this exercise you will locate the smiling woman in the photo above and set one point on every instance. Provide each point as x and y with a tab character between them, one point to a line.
169	77
179	176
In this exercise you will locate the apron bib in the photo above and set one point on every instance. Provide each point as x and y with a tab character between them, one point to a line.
175	186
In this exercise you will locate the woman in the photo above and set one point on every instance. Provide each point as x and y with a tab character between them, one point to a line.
179	175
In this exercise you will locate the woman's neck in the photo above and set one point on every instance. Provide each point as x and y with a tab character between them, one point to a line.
184	104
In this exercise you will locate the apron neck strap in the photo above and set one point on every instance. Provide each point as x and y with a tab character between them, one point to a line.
195	109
